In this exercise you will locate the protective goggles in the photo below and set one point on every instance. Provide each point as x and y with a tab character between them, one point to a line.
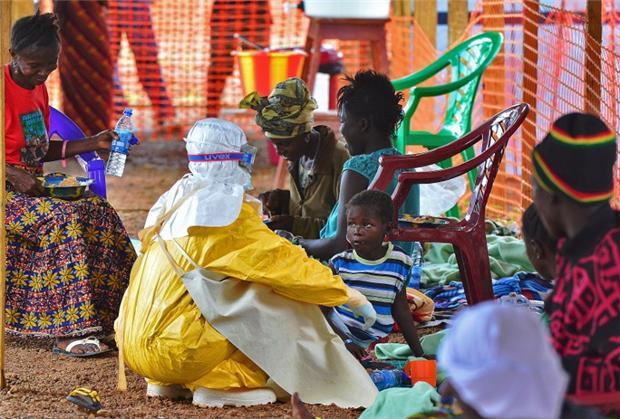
245	157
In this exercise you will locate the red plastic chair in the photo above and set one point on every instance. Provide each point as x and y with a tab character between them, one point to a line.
467	235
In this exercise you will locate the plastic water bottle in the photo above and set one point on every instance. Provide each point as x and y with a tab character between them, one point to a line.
120	147
516	299
389	378
521	300
416	269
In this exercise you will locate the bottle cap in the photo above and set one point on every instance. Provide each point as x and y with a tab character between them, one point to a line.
128	112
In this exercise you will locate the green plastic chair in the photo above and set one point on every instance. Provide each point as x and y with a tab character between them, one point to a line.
467	62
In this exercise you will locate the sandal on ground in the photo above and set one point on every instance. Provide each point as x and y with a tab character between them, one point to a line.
91	340
86	399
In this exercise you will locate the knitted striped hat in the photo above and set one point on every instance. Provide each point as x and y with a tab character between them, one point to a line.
576	159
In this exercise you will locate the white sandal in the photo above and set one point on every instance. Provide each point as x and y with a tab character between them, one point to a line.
90	340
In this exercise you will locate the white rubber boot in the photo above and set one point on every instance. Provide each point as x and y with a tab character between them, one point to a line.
281	394
172	391
204	397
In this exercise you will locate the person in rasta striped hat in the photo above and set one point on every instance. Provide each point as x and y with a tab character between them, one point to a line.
574	183
315	158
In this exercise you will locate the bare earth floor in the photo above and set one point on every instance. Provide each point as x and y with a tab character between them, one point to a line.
38	380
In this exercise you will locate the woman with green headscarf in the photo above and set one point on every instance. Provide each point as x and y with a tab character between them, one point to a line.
315	158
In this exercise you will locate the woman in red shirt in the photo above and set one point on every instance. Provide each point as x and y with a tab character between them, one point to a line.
68	262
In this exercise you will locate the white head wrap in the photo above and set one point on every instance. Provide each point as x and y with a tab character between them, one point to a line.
500	361
216	188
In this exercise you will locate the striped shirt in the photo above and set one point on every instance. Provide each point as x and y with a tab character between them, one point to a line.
379	280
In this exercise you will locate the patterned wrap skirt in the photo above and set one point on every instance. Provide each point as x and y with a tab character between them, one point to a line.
68	264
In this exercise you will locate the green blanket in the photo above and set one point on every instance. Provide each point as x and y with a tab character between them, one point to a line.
430	343
401	402
506	255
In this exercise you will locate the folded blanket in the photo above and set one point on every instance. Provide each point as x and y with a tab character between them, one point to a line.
430	343
506	256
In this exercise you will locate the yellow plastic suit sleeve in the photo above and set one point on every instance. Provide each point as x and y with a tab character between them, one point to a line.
249	251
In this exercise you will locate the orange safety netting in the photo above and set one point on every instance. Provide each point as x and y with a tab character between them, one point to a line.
173	65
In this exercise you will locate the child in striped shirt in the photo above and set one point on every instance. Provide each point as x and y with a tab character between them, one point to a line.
377	269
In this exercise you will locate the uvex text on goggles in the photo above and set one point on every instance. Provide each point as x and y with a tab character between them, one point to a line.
245	157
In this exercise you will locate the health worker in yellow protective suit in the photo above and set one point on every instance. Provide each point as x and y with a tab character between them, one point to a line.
221	309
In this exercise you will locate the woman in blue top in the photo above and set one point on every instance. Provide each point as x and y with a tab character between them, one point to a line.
369	111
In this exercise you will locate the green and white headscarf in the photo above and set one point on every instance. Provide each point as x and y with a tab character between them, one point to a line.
287	112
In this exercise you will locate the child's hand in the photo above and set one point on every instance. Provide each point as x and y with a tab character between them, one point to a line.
356	350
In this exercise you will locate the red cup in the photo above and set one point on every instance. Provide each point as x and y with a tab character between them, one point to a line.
422	370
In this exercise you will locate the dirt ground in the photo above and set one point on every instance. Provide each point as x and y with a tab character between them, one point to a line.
38	380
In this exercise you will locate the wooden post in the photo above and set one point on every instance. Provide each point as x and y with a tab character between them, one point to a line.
494	101
397	7
458	17
425	26
21	8
530	81
425	12
5	30
405	7
592	67
493	86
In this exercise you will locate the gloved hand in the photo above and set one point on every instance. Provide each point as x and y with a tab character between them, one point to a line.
361	307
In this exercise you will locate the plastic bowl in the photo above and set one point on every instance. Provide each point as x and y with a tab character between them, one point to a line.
59	185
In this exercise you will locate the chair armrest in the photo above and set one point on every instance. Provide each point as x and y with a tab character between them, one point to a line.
388	165
442	89
444	61
408	180
416	78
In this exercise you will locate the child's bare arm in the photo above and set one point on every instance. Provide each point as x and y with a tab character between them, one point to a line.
402	315
330	313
